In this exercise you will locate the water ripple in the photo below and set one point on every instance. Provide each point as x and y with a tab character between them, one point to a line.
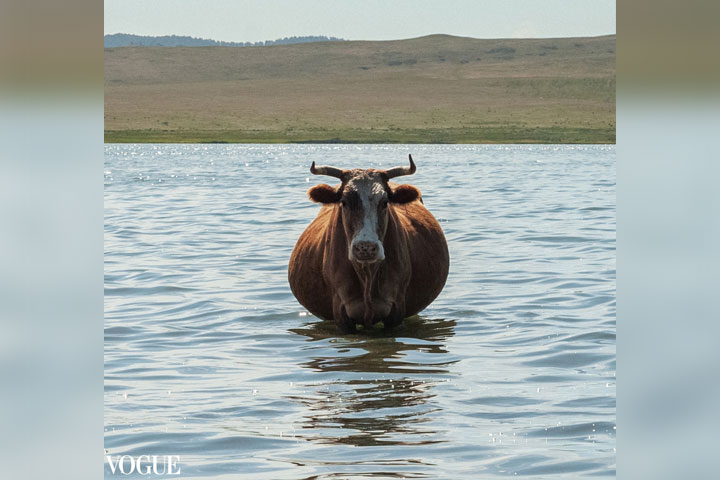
511	371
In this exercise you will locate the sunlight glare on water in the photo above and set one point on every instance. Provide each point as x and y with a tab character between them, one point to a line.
208	355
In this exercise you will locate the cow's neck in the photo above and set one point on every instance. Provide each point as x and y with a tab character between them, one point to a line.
367	274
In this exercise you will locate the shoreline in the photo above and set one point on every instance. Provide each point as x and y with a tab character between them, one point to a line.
509	135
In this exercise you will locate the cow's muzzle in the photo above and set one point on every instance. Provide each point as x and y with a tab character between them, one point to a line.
367	252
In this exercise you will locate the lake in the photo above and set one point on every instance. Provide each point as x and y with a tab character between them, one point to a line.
208	356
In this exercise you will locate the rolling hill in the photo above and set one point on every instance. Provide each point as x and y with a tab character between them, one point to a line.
431	89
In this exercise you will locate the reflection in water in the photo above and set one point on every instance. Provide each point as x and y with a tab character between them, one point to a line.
380	389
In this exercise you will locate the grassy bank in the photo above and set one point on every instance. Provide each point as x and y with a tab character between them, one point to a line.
436	89
439	135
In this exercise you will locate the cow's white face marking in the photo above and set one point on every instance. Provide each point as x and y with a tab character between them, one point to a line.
366	218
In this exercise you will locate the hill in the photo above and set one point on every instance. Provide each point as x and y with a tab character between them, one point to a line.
437	88
127	40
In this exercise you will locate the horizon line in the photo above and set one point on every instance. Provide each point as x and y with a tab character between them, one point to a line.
363	40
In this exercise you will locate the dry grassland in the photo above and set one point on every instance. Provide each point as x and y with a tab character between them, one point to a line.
426	90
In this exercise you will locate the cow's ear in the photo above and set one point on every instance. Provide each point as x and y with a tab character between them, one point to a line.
404	194
324	194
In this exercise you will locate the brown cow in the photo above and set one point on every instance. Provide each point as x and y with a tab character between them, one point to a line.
374	252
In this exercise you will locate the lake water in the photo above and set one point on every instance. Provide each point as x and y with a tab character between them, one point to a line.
208	356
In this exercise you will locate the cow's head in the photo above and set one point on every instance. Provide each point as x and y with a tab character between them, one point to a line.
363	198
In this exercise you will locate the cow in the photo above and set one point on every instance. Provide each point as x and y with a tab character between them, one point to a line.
374	253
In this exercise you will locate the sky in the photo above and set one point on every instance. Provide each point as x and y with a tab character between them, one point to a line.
256	20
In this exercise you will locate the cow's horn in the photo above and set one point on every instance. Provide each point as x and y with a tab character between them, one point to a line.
329	171
400	171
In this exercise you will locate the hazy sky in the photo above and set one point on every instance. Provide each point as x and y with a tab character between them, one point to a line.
255	20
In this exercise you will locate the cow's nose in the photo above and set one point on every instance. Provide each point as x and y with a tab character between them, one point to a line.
365	251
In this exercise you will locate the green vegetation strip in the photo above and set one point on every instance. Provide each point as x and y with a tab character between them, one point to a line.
456	135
